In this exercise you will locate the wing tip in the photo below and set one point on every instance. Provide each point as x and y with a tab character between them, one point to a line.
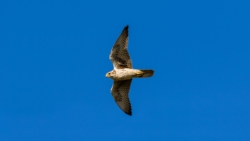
126	28
129	113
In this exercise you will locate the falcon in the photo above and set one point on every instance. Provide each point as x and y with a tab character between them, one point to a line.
123	73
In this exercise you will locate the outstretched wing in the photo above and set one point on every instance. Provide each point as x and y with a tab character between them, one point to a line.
120	91
119	54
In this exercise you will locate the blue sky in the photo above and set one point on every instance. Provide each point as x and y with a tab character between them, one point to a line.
54	56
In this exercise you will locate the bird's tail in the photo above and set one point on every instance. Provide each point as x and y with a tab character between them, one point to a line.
144	73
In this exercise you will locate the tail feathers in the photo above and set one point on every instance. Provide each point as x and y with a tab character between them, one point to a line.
144	73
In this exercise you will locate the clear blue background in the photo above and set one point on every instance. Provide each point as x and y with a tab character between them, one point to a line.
54	56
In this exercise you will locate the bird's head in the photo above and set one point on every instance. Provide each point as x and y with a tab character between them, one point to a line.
110	74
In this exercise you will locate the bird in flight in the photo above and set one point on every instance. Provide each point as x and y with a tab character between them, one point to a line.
123	73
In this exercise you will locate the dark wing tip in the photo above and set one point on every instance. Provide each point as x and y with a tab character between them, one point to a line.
129	113
126	27
125	30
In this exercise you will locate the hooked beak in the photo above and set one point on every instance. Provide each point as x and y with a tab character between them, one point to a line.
107	75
